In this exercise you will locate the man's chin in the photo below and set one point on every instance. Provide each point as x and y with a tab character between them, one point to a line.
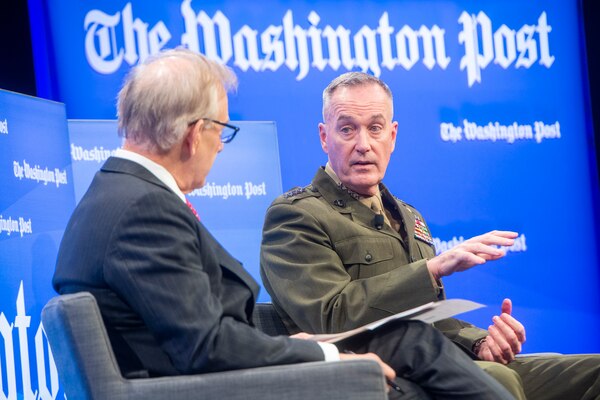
363	188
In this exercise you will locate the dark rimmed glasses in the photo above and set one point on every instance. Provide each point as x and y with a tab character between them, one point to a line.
227	134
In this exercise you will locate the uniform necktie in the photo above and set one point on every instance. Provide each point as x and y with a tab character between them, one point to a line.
376	206
192	208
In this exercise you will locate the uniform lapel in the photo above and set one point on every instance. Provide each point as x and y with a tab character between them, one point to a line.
408	221
344	203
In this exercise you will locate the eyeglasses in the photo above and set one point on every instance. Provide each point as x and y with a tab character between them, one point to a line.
228	133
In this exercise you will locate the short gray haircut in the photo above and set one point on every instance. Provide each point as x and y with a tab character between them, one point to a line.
352	79
161	96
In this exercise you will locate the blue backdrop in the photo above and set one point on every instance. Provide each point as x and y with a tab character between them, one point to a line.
35	205
491	99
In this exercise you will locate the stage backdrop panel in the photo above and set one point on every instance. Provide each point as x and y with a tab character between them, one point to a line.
35	205
490	96
244	179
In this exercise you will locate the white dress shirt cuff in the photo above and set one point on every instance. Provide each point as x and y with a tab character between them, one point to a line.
331	352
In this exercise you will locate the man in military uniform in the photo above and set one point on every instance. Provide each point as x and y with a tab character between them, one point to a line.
343	251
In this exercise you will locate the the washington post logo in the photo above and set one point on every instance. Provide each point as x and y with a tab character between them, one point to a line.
314	44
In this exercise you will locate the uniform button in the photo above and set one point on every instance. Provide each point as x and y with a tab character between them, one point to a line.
368	257
340	203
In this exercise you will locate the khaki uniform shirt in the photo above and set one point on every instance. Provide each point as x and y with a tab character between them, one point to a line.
329	268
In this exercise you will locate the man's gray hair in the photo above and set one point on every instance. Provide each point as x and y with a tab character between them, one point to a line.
168	91
351	79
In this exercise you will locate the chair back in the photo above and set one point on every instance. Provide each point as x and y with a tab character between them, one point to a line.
266	319
80	346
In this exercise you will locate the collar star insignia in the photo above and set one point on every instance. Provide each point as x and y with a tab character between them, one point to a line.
351	192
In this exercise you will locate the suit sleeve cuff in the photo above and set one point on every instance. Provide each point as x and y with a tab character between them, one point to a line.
330	351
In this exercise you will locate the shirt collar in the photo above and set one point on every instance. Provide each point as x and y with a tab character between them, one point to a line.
367	200
156	169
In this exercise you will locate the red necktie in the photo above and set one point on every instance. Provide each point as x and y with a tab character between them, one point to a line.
192	208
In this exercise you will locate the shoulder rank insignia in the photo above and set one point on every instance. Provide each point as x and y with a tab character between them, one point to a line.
422	232
294	192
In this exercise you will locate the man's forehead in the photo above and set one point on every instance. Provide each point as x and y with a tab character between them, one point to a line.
364	101
365	87
375	116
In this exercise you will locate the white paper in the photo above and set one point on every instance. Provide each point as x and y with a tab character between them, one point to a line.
428	313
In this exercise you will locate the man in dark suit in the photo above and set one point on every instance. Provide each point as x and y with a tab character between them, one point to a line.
173	300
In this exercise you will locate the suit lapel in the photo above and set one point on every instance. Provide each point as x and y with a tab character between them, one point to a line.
227	262
238	270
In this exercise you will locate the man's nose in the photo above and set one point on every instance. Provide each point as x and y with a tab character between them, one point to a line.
363	141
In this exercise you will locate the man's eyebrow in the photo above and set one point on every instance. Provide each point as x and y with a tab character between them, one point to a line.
344	118
377	117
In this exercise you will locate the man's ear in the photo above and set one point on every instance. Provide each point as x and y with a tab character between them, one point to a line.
323	137
394	134
192	137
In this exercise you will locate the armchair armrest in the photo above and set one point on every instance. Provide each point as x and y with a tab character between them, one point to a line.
344	380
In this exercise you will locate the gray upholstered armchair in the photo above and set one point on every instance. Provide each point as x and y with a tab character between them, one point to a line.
88	369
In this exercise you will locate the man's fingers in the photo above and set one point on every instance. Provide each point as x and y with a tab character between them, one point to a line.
452	261
506	341
485	354
475	251
467	259
500	235
499	238
494	349
488	257
507	306
301	335
482	249
515	326
387	370
505	234
508	336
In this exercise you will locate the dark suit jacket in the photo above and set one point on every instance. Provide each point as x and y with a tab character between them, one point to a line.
174	301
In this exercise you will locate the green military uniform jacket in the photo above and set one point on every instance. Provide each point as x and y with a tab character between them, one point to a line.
328	268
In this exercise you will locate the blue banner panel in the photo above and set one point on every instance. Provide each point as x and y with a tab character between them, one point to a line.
242	183
36	202
490	96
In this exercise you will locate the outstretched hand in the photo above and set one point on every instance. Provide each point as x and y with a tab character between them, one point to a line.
505	339
475	251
